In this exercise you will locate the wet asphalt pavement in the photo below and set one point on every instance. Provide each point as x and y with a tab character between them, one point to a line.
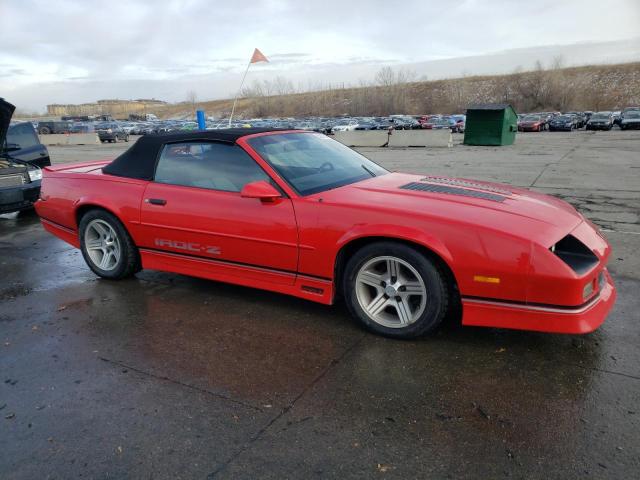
166	376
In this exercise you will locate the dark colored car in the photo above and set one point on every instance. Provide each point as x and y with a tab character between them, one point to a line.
405	123
21	157
367	126
617	118
630	120
563	123
600	121
47	127
111	132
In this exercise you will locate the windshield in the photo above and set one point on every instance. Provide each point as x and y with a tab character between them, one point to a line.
531	118
312	162
600	115
564	118
632	115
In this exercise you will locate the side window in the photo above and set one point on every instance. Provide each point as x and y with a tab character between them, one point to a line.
22	134
210	165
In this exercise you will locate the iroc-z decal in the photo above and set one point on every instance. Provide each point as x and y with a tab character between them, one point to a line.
188	246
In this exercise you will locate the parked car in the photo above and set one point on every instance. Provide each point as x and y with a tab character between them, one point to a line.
629	109
546	118
129	127
344	126
46	127
111	132
457	123
82	128
581	120
600	121
367	126
531	123
404	122
21	158
617	118
437	123
563	123
631	120
307	216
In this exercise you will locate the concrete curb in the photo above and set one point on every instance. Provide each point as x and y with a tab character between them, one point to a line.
71	139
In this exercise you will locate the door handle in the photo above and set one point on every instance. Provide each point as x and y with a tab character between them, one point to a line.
156	201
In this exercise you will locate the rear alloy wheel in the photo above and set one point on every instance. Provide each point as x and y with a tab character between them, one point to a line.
106	246
395	290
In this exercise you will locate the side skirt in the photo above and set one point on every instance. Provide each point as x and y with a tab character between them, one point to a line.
309	288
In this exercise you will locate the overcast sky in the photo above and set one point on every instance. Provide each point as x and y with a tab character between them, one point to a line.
73	51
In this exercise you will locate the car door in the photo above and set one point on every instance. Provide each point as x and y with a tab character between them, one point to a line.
23	136
193	208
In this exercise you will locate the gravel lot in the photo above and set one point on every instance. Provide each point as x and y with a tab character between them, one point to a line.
166	376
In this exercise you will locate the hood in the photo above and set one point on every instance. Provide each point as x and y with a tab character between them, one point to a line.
494	206
6	112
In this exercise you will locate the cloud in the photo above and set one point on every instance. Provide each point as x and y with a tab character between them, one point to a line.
57	47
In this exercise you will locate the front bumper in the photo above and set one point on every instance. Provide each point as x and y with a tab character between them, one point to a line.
14	199
576	320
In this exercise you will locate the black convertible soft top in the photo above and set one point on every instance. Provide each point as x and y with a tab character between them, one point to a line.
139	161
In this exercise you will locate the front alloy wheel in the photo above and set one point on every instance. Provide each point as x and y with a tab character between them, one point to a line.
395	290
390	291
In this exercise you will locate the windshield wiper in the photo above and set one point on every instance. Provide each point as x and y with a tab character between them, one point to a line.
368	171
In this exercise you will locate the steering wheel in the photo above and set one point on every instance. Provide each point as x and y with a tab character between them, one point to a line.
326	166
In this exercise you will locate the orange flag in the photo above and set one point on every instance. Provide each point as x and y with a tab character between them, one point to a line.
258	57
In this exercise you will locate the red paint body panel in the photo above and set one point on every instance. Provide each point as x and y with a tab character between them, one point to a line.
582	320
291	245
240	230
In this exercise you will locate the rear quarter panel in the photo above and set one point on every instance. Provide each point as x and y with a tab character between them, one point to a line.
64	193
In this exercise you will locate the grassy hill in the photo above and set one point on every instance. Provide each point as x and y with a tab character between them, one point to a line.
595	87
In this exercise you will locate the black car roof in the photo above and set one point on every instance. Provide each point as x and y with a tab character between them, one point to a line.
139	161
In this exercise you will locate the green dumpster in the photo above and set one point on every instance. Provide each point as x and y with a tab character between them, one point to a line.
490	124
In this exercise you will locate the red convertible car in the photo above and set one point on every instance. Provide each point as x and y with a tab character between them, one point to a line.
299	213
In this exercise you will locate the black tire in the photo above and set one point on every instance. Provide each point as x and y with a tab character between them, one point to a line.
129	262
44	131
434	280
126	139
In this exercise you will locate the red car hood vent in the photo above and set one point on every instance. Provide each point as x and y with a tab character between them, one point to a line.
459	182
451	190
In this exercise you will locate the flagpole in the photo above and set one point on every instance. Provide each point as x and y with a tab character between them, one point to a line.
233	109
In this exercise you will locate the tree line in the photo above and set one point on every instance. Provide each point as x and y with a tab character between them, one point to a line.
392	91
